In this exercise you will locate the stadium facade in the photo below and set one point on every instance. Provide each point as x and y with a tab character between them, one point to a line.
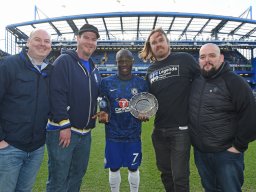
187	32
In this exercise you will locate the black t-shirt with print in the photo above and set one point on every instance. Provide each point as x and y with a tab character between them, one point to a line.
170	81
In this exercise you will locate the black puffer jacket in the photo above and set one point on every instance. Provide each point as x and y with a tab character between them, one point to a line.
222	112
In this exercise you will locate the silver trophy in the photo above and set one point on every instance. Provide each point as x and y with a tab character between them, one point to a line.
144	104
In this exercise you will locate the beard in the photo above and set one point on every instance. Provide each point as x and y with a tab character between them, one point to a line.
161	54
209	73
212	72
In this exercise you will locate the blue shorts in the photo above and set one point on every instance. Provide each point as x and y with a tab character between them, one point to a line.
123	154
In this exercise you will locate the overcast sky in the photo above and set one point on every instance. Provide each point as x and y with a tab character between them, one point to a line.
23	10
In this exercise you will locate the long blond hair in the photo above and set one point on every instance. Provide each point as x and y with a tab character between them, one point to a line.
146	52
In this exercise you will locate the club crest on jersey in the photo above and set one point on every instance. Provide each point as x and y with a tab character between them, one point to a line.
134	91
123	103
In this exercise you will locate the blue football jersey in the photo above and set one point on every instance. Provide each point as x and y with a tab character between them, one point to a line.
122	126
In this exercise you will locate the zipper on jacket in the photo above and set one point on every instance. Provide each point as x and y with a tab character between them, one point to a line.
90	92
200	103
36	102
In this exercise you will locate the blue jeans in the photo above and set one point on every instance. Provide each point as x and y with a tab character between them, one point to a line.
172	149
18	169
68	165
221	171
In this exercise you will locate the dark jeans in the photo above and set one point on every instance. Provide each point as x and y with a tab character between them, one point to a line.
18	169
172	149
68	165
220	172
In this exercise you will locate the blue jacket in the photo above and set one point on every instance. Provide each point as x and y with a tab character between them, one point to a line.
73	93
24	102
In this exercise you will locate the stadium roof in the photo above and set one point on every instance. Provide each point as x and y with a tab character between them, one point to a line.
134	27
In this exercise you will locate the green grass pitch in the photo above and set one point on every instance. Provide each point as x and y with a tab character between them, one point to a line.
96	178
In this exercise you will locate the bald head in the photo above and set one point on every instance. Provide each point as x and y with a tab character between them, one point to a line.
124	53
39	44
211	46
124	60
38	31
210	59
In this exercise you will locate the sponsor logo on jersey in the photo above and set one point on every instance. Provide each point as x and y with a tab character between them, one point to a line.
123	103
164	73
123	106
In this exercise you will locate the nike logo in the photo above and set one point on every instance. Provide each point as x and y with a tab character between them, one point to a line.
112	90
183	127
133	164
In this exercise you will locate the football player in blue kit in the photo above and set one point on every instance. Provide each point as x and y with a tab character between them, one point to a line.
123	131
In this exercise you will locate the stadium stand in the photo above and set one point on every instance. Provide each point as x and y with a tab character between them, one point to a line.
3	54
187	31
